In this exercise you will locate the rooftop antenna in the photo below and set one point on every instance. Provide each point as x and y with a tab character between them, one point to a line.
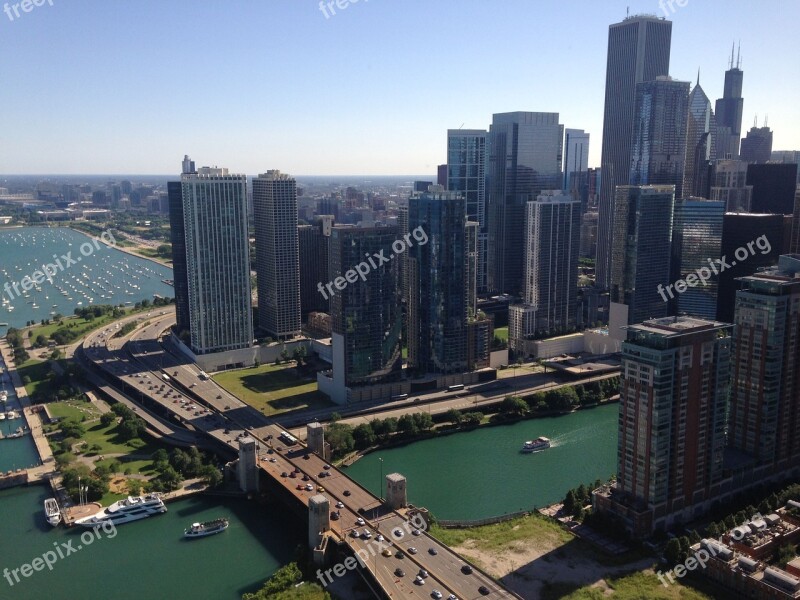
766	122
755	121
462	126
738	55
733	46
698	76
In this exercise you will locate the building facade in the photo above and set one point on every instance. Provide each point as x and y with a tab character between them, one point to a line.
312	243
701	144
729	110
729	185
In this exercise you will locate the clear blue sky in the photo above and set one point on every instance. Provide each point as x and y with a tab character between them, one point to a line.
107	86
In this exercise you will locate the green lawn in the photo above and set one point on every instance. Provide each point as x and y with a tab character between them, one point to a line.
500	535
73	409
83	327
37	371
502	333
630	587
272	389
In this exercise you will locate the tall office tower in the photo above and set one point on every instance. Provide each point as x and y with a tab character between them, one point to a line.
739	230
441	175
757	145
217	260
312	243
764	417
774	185
641	255
729	112
794	246
701	148
525	156
729	185
188	165
402	273
589	235
466	173
696	237
673	397
441	292
277	260
552	246
787	157
658	146
638	50
576	157
365	312
180	277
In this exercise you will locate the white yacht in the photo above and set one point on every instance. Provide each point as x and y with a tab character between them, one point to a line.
541	443
52	512
129	509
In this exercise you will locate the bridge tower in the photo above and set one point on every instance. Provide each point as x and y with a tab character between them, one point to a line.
248	463
396	491
319	520
315	438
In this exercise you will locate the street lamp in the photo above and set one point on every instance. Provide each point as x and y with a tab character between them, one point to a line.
381	479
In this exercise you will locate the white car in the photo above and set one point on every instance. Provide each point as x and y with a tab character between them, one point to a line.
412	550
366	535
416	532
436	594
359	521
419	580
340	505
379	538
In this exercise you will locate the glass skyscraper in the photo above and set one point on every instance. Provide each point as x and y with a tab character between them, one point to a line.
729	110
525	158
658	145
696	239
217	260
638	50
701	144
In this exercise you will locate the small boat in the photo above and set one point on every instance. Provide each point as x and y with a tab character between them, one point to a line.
541	443
51	511
3	396
207	528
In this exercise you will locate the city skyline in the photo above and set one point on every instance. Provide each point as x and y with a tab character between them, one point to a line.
137	121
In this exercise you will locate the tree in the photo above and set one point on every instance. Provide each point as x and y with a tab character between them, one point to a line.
133	428
340	437
672	553
785	554
211	475
407	425
364	436
170	479
472	418
107	419
454	416
570	502
283	579
514	405
423	421
72	429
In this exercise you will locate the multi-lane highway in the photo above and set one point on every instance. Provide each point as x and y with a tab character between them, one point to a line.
159	375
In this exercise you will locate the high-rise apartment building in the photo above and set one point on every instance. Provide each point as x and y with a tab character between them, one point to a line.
366	313
638	50
673	399
658	145
641	254
217	263
794	246
552	248
466	174
277	254
312	242
525	158
696	239
728	111
765	397
442	316
701	148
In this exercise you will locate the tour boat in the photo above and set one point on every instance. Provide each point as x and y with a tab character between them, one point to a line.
52	512
206	528
126	510
541	443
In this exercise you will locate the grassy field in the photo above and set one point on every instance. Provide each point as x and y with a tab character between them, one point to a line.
500	535
637	586
272	389
75	410
37	371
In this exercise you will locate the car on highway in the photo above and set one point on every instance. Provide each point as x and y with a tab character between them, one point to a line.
399	572
416	532
346	492
484	590
466	570
334	516
379	538
436	594
452	597
432	551
300	486
419	580
340	505
367	534
359	521
400	554
412	550
309	487
355	533
326	467
386	552
423	573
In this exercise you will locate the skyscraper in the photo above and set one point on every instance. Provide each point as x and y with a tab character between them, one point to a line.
466	173
552	246
525	158
638	50
641	256
794	246
729	185
765	400
576	157
696	238
673	398
701	148
728	111
366	314
277	258
441	302
739	229
658	145
217	260
312	242
757	145
774	185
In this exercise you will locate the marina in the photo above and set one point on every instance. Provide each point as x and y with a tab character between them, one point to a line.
94	274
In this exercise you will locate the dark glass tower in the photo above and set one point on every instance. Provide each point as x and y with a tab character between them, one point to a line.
638	50
525	158
729	113
757	145
312	242
179	275
773	187
658	145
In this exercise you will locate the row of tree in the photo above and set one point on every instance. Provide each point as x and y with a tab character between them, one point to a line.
15	340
